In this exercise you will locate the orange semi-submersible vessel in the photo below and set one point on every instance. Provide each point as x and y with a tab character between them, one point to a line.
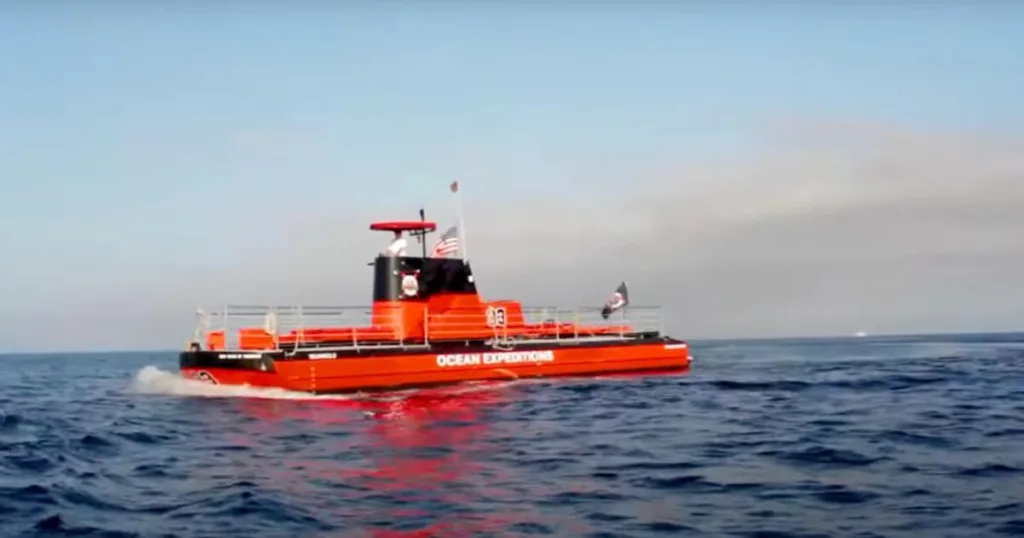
427	326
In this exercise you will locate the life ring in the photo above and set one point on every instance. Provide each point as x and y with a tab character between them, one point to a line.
410	286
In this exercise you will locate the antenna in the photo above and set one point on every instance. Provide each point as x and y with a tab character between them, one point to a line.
423	237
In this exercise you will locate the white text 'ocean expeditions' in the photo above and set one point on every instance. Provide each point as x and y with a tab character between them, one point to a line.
504	357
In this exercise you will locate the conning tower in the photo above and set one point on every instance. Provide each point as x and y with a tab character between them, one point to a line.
405	287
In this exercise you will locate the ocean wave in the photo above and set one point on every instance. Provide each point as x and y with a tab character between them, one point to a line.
760	440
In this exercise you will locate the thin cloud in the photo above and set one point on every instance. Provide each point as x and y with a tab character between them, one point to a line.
832	229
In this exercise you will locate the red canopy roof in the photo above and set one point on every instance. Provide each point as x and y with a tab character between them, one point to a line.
404	226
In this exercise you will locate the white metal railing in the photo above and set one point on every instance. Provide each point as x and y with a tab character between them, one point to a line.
345	327
508	324
297	326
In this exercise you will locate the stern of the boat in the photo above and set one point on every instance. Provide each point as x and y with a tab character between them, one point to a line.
228	367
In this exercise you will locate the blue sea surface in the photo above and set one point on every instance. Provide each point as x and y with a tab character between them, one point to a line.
908	436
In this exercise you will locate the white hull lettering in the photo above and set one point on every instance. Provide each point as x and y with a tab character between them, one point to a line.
238	356
315	356
503	357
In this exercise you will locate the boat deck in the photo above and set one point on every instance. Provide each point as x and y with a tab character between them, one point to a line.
294	329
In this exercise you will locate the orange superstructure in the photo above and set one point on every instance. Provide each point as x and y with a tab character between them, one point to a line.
426	325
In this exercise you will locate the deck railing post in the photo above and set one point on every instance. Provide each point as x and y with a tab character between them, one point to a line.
622	324
227	331
277	323
576	324
558	323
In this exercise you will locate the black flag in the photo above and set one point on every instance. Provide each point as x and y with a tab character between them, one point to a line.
618	300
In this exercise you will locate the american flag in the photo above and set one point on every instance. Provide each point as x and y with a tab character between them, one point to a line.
447	244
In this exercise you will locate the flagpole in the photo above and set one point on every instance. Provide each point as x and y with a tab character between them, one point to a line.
456	188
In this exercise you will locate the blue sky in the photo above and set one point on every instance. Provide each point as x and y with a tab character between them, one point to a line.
138	139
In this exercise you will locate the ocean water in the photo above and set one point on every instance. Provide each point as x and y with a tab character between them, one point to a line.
911	436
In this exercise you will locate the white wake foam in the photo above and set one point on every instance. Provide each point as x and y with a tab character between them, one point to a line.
152	380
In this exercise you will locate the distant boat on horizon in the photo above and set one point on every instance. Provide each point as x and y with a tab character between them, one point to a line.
860	334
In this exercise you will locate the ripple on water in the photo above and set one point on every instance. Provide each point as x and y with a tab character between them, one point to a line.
904	438
822	456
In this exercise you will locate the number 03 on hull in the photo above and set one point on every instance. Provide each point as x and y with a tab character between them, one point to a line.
427	325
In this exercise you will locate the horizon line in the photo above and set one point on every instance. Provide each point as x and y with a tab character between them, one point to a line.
687	340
